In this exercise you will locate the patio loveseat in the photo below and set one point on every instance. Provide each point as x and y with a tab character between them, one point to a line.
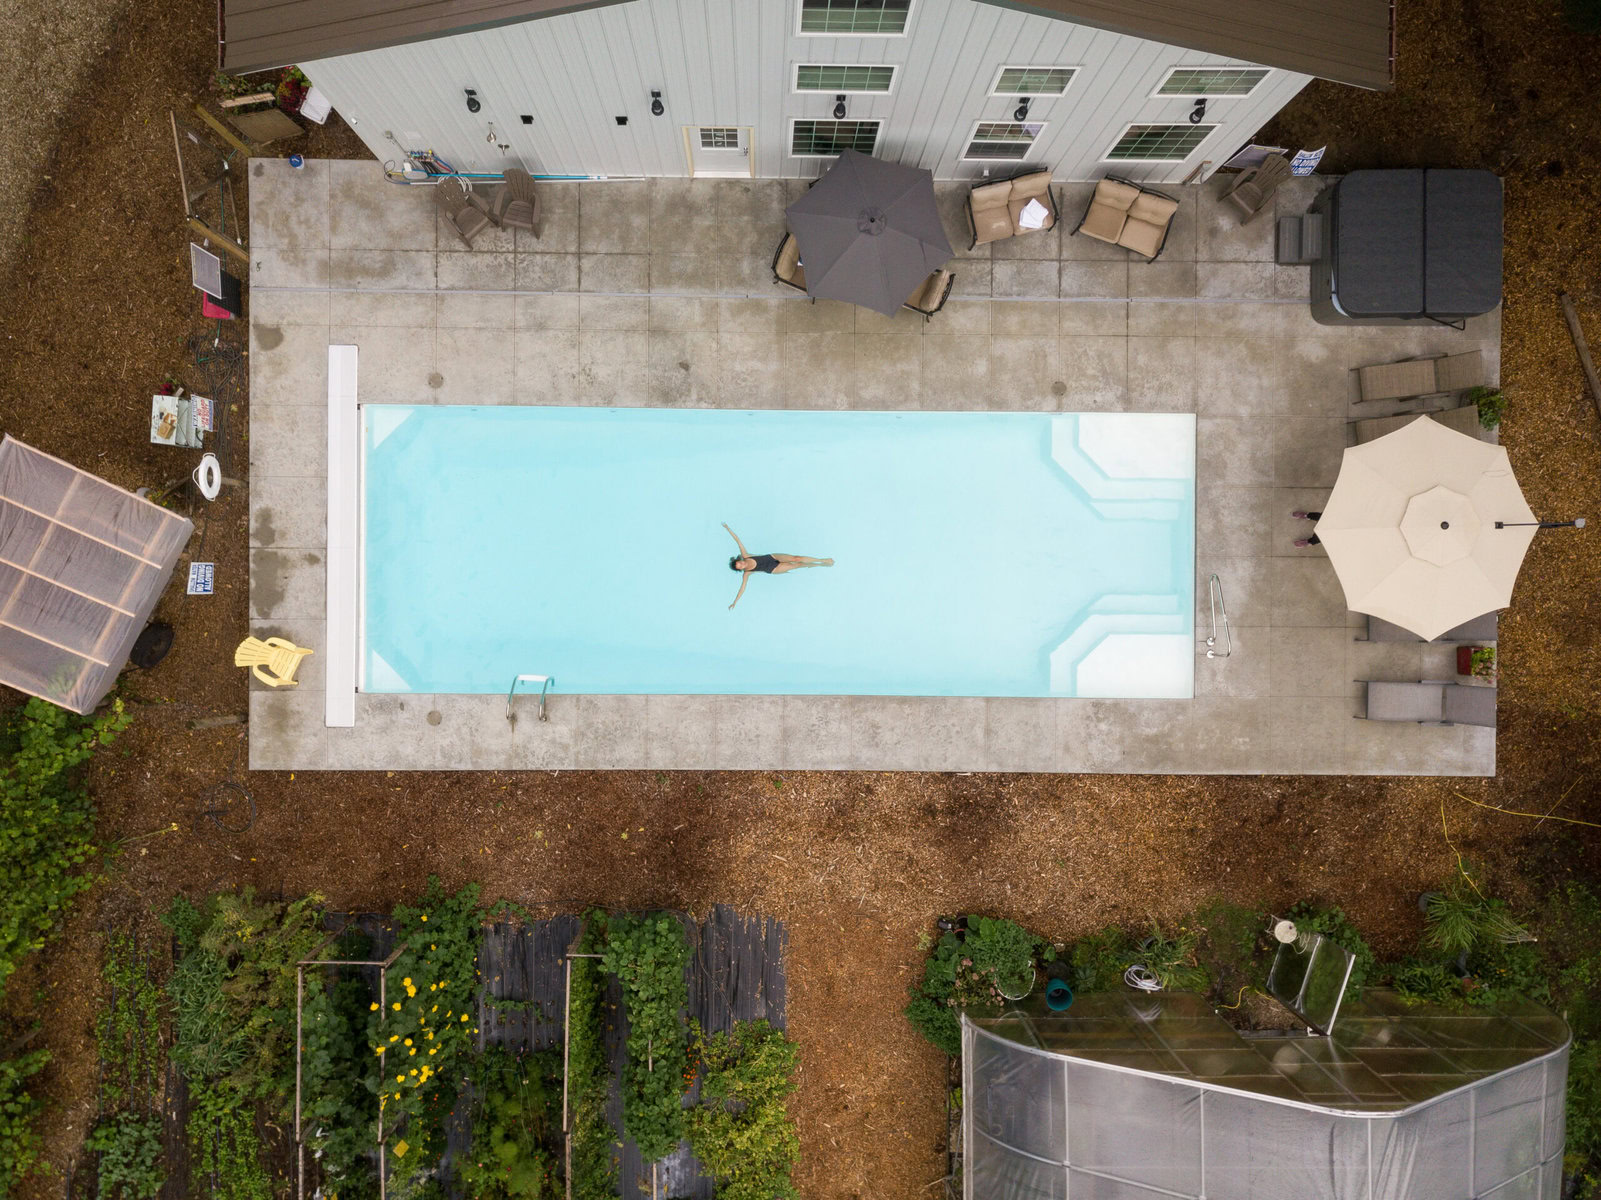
1125	214
993	209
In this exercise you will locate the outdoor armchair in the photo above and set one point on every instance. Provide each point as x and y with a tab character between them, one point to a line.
1431	703
931	296
1252	190
787	267
468	215
993	209
1125	214
517	204
1422	376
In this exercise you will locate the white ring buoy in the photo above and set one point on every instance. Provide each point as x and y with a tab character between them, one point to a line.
208	476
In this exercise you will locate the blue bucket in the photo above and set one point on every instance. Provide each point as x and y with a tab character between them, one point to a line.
1058	996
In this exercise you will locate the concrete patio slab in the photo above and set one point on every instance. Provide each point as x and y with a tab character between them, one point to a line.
658	293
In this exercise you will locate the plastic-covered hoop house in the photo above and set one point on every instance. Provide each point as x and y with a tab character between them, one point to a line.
1145	1097
82	564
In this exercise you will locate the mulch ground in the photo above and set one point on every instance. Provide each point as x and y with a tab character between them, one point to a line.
97	314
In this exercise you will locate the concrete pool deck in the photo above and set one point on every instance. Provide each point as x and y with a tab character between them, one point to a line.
658	293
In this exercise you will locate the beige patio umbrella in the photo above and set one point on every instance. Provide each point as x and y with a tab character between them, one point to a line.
1411	528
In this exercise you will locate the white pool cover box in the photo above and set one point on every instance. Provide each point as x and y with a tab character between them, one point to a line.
1153	1096
1410	245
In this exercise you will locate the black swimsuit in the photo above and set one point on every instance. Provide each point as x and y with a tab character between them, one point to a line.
764	563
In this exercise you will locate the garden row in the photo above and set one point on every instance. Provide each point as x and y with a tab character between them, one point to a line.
1471	953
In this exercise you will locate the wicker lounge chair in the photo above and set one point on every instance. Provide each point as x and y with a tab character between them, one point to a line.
1125	214
1422	376
517	204
1431	703
1252	190
1479	630
931	296
468	215
787	267
1464	420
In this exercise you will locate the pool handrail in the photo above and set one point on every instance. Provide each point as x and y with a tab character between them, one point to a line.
544	681
1214	587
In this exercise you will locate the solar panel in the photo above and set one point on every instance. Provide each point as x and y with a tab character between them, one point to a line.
205	271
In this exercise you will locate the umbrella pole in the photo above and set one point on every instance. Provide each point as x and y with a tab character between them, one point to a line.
1577	523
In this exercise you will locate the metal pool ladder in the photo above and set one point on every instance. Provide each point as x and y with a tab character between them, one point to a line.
1215	589
544	682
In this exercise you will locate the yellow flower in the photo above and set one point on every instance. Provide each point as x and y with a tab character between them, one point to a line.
413	1050
378	1049
414	1070
433	1050
425	916
463	1016
435	1008
433	987
408	1041
433	947
374	1006
400	1079
394	1037
406	982
395	1006
430	1037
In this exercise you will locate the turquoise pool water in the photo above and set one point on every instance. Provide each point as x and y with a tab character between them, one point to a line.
977	554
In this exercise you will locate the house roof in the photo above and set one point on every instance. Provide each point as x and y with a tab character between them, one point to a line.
1348	41
1345	40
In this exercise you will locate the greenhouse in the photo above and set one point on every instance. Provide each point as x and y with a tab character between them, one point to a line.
1145	1096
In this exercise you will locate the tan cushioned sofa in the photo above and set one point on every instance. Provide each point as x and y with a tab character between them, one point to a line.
993	208
1130	216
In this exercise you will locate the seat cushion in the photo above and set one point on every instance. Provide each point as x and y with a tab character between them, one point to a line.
1142	237
1104	221
1036	183
1016	207
1458	372
1148	206
991	195
1117	195
1405	701
1466	704
992	224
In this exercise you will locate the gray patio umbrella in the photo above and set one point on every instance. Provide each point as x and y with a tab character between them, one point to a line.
869	232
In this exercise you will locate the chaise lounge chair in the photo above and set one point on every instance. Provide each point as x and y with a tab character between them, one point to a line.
1480	629
1431	703
1252	190
1125	214
1464	420
1422	376
273	661
468	215
517	204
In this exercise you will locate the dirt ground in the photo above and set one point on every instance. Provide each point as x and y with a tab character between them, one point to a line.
97	313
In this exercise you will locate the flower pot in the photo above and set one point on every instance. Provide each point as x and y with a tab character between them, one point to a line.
1464	659
1033	975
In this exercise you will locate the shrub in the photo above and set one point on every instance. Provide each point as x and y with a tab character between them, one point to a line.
1459	919
1098	961
648	955
970	974
1490	403
516	1127
741	1131
19	1141
339	1108
1427	981
588	1077
1171	960
130	1157
46	820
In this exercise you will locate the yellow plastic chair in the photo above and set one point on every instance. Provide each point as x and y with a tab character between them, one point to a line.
273	661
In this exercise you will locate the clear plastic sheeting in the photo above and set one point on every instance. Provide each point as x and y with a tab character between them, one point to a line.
1137	1097
82	564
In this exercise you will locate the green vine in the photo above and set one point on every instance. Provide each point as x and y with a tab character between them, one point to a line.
516	1127
130	1157
19	1140
741	1131
648	955
593	1169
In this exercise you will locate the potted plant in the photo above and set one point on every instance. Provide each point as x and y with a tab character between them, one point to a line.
1476	661
1490	403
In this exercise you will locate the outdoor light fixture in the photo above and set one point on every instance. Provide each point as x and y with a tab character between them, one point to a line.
657	108
472	101
1576	523
839	107
1022	111
1198	113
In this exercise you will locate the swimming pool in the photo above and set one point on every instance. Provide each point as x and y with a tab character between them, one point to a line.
977	554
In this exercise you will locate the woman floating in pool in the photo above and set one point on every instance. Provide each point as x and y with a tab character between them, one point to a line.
768	564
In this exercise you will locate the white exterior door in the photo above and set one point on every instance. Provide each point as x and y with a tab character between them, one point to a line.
718	150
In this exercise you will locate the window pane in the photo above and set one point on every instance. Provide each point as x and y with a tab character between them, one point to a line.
1160	143
854	16
1034	81
719	138
828	138
817	78
1002	139
1212	81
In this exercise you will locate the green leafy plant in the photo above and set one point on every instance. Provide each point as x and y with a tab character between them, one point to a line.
1490	403
226	1151
1426	981
1459	919
516	1127
741	1130
972	973
1482	662
339	1109
648	955
46	820
128	1029
1099	961
594	1175
1172	959
19	1140
130	1157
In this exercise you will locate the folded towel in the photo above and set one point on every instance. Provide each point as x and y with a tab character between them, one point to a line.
1033	215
